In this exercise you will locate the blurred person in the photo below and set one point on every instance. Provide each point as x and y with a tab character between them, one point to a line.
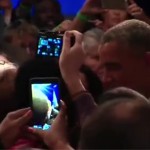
124	61
92	12
46	13
119	124
114	17
19	41
6	6
124	57
131	53
23	35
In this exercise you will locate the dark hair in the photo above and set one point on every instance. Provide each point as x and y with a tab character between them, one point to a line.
54	2
119	124
94	83
119	92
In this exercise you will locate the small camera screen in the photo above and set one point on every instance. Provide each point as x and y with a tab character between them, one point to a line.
49	46
45	104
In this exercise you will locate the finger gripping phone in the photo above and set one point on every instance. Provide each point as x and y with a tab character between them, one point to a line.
45	101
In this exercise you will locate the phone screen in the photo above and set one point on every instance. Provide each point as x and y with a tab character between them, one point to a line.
45	103
49	45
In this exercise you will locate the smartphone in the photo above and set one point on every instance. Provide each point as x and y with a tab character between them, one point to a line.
49	44
45	101
114	4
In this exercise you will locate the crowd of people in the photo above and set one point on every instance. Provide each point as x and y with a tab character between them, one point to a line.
104	76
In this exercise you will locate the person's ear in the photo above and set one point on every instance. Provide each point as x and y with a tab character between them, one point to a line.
147	58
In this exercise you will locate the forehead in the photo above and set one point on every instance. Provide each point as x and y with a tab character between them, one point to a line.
45	4
115	51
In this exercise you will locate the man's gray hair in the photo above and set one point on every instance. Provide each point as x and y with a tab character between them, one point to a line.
132	33
92	39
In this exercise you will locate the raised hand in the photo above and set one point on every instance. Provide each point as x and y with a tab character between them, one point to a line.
72	57
135	11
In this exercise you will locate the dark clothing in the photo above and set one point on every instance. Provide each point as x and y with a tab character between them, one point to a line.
2	25
84	105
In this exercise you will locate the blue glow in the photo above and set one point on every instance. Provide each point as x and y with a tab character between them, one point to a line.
49	46
45	97
50	91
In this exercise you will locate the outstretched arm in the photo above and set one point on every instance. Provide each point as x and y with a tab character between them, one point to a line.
90	9
71	60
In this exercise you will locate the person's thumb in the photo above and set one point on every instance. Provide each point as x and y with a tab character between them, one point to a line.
62	112
37	132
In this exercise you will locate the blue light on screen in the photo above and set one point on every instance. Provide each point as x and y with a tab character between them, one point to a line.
45	104
50	91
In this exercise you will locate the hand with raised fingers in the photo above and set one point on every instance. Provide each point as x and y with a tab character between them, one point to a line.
13	125
72	57
71	60
135	11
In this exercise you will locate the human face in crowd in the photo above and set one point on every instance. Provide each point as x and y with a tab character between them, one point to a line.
47	15
26	42
29	42
120	67
114	17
